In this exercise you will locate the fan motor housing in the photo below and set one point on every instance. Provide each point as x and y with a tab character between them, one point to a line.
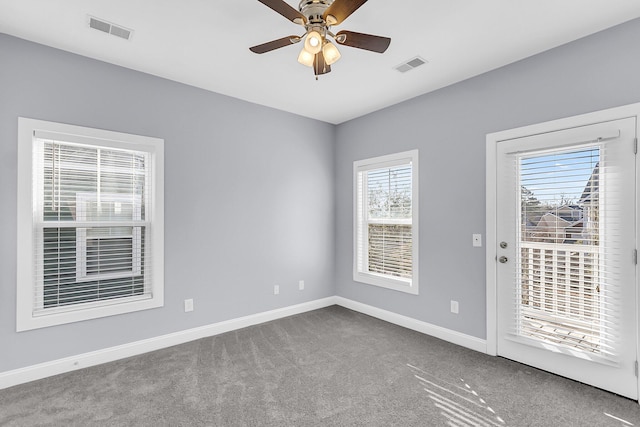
313	10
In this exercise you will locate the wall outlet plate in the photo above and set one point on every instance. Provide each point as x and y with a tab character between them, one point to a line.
301	285
455	307
276	289
188	305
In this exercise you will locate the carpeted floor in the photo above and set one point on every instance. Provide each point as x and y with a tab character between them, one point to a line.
330	367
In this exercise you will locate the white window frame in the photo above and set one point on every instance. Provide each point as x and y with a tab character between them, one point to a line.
81	236
360	223
28	316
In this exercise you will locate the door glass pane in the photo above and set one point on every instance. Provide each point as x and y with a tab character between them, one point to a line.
559	266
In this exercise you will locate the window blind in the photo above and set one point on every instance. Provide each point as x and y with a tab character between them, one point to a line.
385	232
389	221
90	213
567	291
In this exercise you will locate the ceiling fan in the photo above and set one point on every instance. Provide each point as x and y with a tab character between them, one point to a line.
317	17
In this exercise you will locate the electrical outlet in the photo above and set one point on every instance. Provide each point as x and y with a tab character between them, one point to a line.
276	289
455	308
188	305
301	285
477	240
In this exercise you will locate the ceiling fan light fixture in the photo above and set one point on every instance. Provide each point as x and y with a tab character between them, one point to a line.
313	42
306	58
317	17
330	52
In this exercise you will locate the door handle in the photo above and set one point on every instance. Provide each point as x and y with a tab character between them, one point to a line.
503	259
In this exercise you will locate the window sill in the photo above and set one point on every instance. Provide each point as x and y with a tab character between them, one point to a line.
60	316
402	285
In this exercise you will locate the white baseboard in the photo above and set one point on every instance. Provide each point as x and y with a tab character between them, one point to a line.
67	364
445	334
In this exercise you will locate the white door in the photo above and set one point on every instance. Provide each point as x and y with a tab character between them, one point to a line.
566	257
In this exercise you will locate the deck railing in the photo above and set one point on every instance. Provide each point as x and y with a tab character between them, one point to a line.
560	281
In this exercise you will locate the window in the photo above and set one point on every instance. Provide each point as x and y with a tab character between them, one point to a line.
90	223
386	221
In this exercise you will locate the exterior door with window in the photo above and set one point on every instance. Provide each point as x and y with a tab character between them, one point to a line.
566	297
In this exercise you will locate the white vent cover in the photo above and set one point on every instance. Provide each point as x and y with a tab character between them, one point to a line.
410	64
110	28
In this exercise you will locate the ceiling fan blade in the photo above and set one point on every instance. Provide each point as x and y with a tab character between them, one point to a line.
320	66
340	10
275	44
363	41
285	10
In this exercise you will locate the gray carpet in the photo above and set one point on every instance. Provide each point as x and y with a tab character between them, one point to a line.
330	367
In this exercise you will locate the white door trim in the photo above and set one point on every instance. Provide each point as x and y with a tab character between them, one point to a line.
632	110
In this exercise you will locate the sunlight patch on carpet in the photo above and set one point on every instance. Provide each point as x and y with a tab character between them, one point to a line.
459	404
624	422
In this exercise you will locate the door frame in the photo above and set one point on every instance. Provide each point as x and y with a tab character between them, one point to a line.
492	140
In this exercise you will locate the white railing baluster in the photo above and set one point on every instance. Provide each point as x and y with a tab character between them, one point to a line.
554	281
531	283
567	283
581	284
543	279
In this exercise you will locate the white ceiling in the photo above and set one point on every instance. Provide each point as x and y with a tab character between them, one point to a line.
205	43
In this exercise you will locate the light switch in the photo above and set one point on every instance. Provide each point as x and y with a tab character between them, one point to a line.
477	240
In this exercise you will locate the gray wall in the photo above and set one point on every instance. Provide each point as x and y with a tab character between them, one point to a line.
249	197
250	204
449	128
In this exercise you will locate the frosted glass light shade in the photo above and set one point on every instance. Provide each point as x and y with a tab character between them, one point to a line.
306	58
330	52
313	42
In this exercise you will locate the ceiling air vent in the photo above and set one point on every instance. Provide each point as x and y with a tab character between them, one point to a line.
410	64
109	28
